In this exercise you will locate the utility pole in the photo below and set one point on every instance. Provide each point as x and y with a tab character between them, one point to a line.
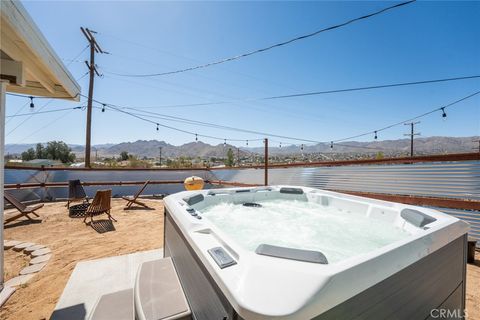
475	148
94	48
412	134
160	156
238	156
266	161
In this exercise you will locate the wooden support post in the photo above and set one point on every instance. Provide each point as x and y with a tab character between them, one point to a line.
266	161
160	157
3	90
411	134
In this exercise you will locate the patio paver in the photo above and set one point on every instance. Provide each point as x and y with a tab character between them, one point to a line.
22	246
10	243
40	252
34	248
41	259
34	268
19	280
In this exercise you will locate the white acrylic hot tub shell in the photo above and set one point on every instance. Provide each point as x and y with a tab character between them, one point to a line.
262	287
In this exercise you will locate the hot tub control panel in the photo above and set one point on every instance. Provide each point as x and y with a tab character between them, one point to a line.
221	257
193	213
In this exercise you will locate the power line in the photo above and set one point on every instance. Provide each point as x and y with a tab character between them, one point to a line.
25	96
177	129
411	119
42	112
47	125
332	142
28	118
303	94
78	55
401	84
163	51
173	118
247	104
31	115
18	111
280	44
47	103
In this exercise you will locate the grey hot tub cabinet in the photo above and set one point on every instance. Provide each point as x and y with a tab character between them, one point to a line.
434	282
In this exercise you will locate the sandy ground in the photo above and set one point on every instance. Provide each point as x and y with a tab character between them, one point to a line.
14	262
473	289
71	241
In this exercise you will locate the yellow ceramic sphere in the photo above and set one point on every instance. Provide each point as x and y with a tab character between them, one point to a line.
193	183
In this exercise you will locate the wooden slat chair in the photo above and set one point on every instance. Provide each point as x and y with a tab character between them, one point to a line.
131	200
76	192
24	209
101	203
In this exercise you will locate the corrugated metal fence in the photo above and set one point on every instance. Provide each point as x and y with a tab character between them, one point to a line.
441	179
14	176
456	179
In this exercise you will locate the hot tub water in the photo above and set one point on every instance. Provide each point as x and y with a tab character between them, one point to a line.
303	225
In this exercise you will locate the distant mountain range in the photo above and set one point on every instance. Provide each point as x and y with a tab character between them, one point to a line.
150	148
429	145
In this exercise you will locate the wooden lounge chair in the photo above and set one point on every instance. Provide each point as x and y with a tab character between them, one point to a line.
24	209
101	203
76	192
133	199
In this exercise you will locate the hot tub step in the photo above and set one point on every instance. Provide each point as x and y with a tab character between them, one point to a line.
117	305
158	292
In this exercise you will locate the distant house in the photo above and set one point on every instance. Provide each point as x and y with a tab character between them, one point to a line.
82	164
15	160
78	165
43	162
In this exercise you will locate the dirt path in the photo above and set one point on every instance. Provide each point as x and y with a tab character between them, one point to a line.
71	241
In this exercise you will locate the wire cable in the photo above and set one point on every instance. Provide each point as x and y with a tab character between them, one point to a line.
201	123
18	111
42	112
178	129
411	119
39	109
303	94
280	44
47	125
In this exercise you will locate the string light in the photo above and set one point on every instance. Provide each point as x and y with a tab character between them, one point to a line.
103	107
157	127
444	114
301	147
142	117
31	103
280	145
196	137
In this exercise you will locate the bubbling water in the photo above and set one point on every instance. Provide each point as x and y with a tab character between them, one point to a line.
303	225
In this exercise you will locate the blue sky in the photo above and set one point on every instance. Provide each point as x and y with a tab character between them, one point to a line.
424	40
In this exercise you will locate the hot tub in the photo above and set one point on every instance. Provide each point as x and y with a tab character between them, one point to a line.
285	252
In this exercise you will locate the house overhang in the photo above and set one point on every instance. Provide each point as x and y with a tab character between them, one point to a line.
28	61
